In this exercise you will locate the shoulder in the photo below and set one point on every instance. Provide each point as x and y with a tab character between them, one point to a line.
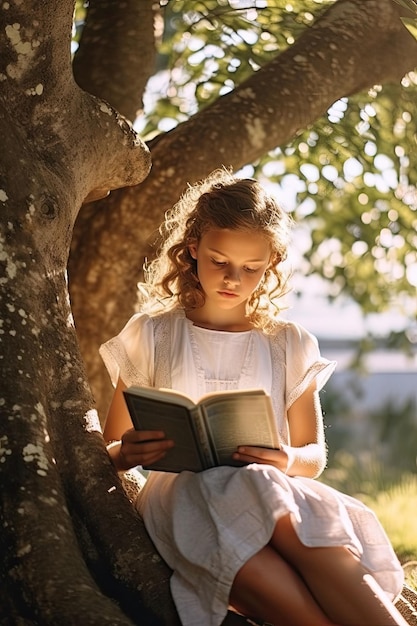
153	319
138	322
166	317
295	341
164	323
291	332
297	332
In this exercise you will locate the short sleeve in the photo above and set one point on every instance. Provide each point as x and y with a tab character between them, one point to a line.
130	355
304	363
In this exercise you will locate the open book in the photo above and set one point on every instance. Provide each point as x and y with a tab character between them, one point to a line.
205	433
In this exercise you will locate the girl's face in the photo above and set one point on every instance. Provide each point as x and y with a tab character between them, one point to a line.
230	265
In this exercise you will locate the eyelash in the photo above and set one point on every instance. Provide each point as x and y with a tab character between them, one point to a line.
249	270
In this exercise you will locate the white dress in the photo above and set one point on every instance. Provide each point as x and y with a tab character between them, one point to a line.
207	525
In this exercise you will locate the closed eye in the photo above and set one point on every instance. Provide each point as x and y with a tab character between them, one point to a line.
251	270
218	263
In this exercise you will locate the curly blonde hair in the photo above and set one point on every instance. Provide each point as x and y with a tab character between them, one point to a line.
219	201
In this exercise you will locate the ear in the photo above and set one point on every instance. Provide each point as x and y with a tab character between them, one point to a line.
192	249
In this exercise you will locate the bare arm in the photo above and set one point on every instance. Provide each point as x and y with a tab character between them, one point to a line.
118	418
128	447
306	456
308	446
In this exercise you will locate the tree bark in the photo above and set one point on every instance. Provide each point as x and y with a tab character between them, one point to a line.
54	470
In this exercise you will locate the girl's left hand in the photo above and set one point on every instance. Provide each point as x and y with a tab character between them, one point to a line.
270	456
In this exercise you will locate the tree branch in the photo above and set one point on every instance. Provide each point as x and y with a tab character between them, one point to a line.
117	40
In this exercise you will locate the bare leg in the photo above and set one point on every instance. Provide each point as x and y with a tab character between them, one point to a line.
267	588
347	593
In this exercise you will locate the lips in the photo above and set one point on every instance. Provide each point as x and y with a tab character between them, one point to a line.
228	294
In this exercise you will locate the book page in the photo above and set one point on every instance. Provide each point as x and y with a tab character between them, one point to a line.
240	420
163	395
174	420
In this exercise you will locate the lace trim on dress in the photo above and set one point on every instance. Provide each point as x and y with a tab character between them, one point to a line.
118	364
211	384
196	355
162	341
306	380
132	482
277	343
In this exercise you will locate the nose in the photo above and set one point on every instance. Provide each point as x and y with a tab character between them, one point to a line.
232	277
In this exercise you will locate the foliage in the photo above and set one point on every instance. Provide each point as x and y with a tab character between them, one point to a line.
394	508
211	47
359	196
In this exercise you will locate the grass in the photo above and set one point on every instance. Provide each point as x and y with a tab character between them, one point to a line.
391	495
395	509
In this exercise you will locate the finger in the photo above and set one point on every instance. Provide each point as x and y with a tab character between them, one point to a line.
139	449
258	452
149	456
154	445
152	458
247	458
143	435
255	454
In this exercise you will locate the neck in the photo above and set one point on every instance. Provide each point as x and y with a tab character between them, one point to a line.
220	320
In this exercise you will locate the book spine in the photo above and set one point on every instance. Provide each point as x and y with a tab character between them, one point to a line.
202	438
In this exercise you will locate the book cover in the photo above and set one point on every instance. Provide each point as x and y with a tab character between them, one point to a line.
205	433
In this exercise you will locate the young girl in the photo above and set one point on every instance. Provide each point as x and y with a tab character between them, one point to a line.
265	538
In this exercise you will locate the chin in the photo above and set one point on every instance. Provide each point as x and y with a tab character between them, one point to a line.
228	304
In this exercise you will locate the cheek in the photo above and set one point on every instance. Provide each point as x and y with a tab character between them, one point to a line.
252	282
257	281
204	273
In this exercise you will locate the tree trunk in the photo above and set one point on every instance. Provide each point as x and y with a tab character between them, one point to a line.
56	478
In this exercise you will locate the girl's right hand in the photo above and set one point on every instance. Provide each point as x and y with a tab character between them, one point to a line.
138	447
